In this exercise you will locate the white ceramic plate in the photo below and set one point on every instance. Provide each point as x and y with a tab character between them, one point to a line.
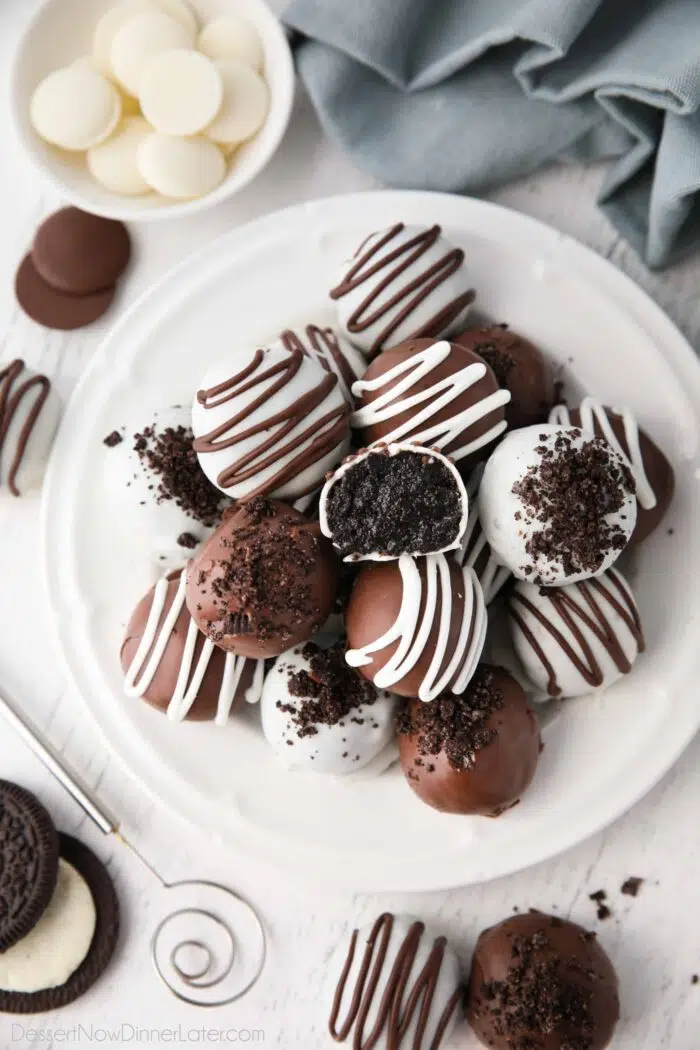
601	754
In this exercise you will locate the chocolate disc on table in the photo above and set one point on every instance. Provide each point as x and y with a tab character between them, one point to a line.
78	253
102	945
28	862
54	309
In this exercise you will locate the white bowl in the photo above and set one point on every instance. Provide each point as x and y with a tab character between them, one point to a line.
61	31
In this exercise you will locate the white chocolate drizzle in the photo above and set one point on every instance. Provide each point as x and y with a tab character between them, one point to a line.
412	632
594	421
139	677
406	396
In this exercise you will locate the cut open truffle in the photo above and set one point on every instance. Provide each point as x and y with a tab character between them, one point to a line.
393	500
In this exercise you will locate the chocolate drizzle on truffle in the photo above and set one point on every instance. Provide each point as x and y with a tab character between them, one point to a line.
400	1003
326	350
282	434
13	390
581	608
572	491
372	261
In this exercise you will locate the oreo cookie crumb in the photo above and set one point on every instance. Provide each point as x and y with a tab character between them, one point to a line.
457	726
598	896
261	553
187	540
330	690
632	886
113	439
168	454
570	493
537	995
695	979
394	504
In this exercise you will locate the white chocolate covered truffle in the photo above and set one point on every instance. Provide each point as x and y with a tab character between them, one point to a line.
269	422
556	506
320	716
164	497
571	640
334	353
403	282
29	413
396	980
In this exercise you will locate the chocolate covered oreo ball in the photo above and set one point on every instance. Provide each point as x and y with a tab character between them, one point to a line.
272	424
393	500
264	581
321	716
394	986
431	393
573	639
417	626
653	474
474	753
544	983
519	366
402	283
474	550
556	506
169	663
29	413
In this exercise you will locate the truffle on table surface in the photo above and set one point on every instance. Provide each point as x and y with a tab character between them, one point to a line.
555	506
519	366
271	422
396	986
653	474
321	716
265	581
403	282
29	414
416	626
169	663
544	983
576	638
393	500
432	393
471	754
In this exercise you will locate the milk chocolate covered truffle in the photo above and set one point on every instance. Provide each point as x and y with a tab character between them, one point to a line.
393	500
29	415
272	424
395	986
334	353
264	581
652	472
555	505
402	283
431	393
474	753
544	983
169	663
519	366
417	626
573	639
321	716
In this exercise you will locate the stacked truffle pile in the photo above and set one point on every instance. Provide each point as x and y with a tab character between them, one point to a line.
354	499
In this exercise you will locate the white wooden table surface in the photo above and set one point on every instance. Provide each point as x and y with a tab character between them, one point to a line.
654	939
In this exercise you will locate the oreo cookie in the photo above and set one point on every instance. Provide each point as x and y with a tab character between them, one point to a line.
29	850
102	945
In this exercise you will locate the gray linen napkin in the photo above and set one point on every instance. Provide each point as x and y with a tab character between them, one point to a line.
462	95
